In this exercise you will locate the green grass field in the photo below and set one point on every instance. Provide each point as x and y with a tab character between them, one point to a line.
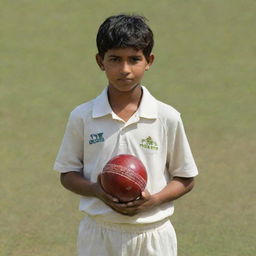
205	67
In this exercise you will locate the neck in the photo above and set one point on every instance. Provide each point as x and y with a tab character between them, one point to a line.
119	99
125	104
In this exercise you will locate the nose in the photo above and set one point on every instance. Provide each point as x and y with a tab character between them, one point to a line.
125	68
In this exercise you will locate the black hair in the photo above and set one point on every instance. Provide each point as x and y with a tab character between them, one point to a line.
122	31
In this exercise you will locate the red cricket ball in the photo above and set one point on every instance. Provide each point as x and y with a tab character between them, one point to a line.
124	177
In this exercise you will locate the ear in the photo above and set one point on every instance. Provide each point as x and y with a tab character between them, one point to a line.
150	61
99	61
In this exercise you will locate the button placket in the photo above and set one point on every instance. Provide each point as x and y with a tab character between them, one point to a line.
122	136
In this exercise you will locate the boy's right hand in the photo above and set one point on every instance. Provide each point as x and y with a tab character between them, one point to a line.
103	196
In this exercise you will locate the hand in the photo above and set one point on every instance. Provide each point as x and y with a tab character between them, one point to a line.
142	204
102	195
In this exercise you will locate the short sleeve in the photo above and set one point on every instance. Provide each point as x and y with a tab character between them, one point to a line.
70	155
181	163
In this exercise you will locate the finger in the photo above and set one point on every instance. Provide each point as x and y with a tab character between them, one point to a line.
129	204
130	213
111	198
99	179
145	194
116	208
124	211
106	195
135	203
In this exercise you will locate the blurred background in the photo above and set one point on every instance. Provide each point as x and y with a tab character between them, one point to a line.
205	67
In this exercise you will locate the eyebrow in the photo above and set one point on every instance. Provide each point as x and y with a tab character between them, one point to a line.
117	56
112	55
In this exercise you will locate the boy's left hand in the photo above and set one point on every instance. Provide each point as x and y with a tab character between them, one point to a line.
143	203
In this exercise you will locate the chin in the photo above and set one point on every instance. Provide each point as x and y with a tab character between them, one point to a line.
125	88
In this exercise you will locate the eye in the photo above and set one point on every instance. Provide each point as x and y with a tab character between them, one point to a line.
135	59
114	59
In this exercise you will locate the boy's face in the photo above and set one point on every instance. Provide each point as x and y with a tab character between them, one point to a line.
124	67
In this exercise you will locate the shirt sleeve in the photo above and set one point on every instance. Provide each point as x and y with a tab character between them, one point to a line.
181	163
70	155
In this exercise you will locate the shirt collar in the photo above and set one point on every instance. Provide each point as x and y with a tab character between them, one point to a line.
101	106
147	108
148	105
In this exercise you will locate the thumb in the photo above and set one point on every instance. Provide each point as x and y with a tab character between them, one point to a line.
145	193
99	178
110	197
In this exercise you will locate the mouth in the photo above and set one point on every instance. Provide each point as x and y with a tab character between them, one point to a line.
125	79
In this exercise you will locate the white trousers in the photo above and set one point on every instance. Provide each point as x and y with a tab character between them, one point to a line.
104	239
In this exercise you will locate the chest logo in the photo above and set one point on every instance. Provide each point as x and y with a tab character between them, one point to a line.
149	143
95	138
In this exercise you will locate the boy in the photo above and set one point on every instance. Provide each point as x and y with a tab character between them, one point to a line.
126	119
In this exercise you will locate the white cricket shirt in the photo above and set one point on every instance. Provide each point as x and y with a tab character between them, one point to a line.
155	134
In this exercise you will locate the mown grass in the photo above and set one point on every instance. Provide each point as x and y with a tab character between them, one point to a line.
205	67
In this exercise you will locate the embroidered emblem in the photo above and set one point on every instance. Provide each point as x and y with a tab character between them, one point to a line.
95	138
149	143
